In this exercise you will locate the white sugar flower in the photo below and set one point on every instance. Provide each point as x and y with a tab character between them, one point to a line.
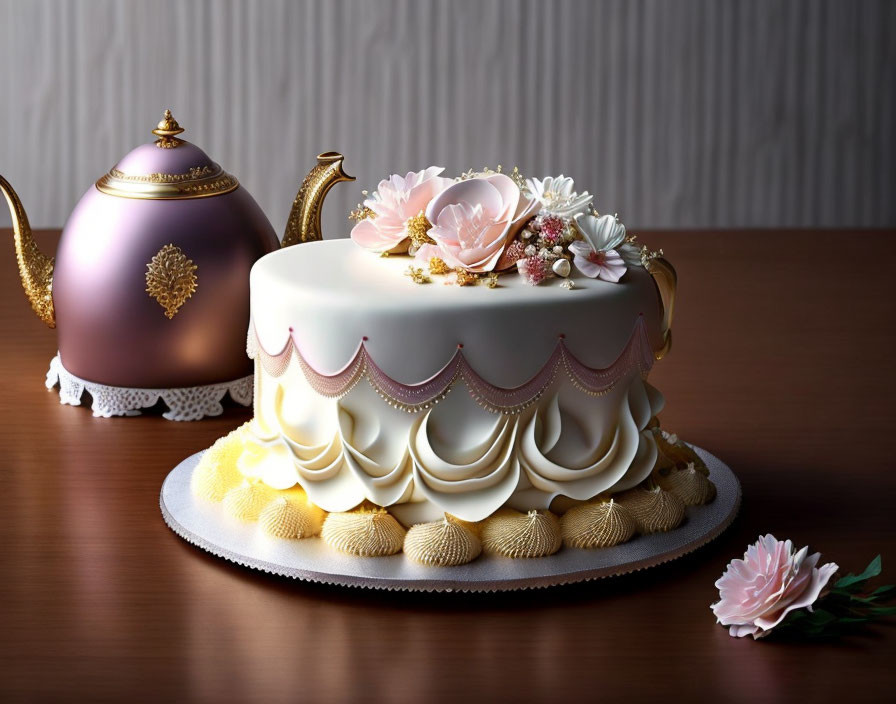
557	197
597	257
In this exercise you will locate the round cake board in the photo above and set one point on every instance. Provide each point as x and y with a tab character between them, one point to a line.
207	526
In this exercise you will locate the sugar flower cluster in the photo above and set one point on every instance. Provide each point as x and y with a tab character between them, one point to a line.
487	223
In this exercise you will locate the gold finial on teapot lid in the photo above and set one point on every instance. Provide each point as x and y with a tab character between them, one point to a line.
166	131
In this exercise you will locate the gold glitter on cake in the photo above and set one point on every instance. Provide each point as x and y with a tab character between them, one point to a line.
654	509
597	524
363	532
518	178
417	227
416	275
491	280
442	543
514	534
361	212
466	278
438	266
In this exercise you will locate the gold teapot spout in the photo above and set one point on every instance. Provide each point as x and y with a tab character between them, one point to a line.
35	268
304	218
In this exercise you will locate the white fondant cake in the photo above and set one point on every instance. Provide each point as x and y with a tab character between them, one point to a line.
479	404
316	306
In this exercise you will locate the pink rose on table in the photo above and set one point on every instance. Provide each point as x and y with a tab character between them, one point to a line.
396	201
770	582
473	220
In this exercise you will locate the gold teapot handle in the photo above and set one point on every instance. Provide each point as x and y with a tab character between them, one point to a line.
666	279
304	218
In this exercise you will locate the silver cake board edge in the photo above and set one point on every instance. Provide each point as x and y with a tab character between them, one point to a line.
206	526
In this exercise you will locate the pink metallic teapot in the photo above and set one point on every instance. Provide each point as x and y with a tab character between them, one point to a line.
150	285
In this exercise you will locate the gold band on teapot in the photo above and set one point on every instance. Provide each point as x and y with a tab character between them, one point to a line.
198	182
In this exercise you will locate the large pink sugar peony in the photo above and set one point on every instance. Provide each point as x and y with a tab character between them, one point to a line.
473	220
396	201
770	582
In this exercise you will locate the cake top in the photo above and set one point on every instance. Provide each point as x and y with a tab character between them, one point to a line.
486	223
331	296
497	266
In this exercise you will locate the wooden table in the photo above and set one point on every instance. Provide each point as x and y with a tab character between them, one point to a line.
782	366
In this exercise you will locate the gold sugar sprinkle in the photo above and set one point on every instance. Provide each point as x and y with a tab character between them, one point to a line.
438	266
361	212
417	228
416	275
466	278
491	280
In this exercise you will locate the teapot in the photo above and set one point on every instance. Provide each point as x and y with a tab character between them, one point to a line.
149	288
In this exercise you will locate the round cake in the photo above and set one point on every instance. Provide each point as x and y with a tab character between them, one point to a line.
434	395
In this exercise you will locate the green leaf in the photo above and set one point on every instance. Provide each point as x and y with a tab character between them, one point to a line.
883	590
821	617
882	610
872	570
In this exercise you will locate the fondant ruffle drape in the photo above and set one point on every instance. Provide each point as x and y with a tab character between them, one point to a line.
571	431
637	355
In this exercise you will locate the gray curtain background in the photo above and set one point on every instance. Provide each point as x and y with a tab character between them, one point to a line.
685	114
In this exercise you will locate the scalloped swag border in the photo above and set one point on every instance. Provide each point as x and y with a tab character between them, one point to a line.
637	354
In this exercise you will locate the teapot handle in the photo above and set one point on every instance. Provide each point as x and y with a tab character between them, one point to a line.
666	279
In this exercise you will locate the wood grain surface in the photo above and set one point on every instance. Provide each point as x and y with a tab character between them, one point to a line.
781	365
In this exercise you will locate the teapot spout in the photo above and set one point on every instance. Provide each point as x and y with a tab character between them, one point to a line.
35	268
304	218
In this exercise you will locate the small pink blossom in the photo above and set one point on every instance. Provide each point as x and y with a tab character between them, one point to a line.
607	265
395	201
473	221
770	582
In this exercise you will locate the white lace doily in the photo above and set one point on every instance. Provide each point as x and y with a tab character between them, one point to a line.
190	403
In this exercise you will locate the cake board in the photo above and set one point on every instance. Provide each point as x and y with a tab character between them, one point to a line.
207	526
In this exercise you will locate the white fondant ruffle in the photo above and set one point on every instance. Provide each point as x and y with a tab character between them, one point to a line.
454	456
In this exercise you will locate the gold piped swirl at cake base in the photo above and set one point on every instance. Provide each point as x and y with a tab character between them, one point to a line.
672	452
217	473
689	484
442	543
364	532
291	516
248	500
597	524
369	530
654	509
515	534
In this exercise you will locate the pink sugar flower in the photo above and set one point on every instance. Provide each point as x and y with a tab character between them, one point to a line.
770	582
474	220
395	201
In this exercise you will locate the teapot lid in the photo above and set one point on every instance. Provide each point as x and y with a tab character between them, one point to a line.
168	169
